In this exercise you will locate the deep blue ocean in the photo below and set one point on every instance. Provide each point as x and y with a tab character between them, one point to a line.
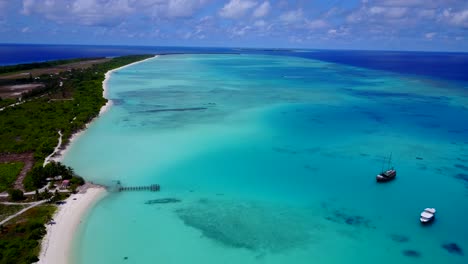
443	65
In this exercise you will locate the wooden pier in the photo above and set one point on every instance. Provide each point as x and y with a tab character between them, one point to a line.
152	188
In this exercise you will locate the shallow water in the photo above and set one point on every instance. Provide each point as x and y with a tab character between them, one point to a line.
273	160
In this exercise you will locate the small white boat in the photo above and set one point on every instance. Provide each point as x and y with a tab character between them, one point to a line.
427	215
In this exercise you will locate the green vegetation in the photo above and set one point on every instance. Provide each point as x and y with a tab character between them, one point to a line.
37	176
16	195
39	65
34	125
6	101
67	102
8	174
10	209
20	240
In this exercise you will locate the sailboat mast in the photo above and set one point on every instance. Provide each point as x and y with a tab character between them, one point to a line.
389	160
383	163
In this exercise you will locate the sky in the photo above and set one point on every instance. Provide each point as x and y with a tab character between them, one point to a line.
429	25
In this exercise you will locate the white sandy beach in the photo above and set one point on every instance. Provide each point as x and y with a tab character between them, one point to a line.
56	245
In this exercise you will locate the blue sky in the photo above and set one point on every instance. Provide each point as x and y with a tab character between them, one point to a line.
334	24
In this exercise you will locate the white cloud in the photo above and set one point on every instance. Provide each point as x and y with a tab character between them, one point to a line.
3	12
260	23
316	24
459	18
236	8
239	31
430	35
3	5
388	12
338	32
415	3
427	13
262	10
197	34
292	16
25	30
183	8
109	12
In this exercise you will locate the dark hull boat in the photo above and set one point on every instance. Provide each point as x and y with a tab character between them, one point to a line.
386	176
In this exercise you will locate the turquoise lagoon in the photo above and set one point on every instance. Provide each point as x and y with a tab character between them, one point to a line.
272	159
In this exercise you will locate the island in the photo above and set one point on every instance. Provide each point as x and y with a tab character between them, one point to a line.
42	107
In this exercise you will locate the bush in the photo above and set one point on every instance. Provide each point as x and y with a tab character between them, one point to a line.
77	180
16	195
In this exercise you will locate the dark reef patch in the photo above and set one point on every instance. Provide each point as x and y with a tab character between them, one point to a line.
419	158
163	201
372	115
342	216
174	110
411	253
284	150
399	238
461	167
453	248
377	94
462	176
117	101
308	167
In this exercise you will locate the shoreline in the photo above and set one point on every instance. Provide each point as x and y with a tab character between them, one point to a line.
58	156
56	245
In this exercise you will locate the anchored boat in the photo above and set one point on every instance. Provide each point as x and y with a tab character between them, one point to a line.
428	215
386	175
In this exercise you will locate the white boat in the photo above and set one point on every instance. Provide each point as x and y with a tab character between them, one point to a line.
427	215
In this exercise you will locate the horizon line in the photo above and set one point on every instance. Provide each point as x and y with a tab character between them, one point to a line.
235	47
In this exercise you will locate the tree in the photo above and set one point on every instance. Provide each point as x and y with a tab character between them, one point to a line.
38	176
16	195
56	196
46	193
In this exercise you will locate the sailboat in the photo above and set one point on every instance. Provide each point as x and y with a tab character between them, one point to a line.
386	175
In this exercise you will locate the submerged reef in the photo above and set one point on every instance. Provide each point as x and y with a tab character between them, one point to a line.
462	176
248	225
343	216
453	248
284	150
163	201
411	253
399	238
461	167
